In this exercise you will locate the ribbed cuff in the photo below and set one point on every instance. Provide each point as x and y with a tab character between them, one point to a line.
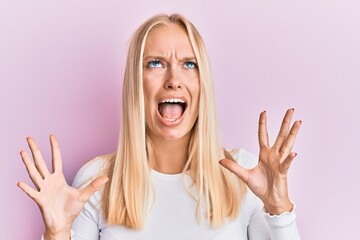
283	226
282	220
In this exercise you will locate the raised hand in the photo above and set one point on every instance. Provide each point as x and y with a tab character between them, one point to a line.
59	203
268	180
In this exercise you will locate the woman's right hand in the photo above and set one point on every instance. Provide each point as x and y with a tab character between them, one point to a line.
59	203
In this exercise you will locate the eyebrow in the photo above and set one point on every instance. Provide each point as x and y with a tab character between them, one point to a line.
164	59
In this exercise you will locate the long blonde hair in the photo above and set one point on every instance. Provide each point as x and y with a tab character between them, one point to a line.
126	197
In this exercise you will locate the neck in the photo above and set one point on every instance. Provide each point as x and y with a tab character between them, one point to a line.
168	156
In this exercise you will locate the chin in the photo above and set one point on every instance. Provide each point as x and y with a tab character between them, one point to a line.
174	134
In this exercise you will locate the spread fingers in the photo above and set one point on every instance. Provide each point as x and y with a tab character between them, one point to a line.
31	169
38	159
284	129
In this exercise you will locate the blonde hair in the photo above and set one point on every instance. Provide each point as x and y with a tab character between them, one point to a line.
126	197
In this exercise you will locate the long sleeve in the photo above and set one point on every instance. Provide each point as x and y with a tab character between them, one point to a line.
283	226
262	225
86	225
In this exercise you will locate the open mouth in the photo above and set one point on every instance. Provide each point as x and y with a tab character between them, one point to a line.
172	109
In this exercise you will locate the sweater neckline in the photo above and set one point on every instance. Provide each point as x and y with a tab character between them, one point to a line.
168	176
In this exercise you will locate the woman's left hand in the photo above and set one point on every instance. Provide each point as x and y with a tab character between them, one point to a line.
268	180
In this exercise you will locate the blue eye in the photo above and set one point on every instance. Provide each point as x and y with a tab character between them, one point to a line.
154	64
190	64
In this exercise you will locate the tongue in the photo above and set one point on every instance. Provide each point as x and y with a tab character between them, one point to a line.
172	111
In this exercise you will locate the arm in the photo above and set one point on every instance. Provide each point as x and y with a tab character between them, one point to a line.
265	226
268	179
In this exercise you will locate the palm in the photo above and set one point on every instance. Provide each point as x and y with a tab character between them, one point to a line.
58	202
265	176
268	180
61	203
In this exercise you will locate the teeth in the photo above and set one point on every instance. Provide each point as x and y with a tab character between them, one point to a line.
170	119
173	100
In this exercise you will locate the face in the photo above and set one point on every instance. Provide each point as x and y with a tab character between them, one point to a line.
171	83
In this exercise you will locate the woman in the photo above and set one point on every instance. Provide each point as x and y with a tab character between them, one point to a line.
165	180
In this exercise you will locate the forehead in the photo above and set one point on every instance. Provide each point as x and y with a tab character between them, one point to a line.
168	38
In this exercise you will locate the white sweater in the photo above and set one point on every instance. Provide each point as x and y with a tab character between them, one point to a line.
173	216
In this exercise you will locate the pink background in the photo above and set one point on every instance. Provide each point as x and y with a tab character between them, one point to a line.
61	69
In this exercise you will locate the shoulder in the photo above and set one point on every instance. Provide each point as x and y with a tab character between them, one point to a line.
245	158
90	170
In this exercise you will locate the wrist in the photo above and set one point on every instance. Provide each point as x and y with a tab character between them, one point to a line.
279	208
63	234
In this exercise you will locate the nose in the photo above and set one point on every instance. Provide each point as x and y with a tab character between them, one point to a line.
173	79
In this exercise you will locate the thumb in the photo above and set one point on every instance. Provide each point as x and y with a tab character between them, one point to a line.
232	166
87	192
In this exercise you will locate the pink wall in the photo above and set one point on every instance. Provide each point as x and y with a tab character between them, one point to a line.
61	67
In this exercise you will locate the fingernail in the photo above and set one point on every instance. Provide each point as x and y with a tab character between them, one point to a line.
300	122
295	154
